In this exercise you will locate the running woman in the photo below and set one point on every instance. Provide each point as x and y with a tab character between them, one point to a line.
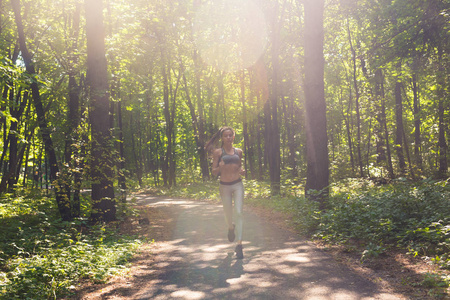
227	164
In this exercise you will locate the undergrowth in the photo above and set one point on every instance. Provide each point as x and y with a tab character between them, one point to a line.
412	216
42	257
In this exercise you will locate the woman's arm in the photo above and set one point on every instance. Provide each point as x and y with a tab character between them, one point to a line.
215	170
241	170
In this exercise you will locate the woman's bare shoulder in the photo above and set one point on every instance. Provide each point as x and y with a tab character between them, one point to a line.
217	152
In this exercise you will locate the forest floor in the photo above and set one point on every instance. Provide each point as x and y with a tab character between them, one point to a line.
186	262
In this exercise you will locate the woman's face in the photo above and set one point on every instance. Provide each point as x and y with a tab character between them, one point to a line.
227	136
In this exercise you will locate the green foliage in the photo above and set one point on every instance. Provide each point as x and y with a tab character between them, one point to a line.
43	258
257	190
372	250
411	216
434	280
306	214
436	283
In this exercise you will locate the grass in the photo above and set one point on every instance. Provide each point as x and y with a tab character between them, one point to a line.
412	216
44	258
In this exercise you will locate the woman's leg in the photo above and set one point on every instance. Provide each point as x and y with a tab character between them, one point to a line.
238	206
226	194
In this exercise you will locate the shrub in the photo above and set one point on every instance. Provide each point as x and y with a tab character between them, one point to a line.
43	258
413	216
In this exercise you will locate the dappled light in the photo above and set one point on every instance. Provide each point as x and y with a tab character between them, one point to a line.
199	263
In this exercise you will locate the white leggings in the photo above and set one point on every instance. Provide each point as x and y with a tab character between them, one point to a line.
227	192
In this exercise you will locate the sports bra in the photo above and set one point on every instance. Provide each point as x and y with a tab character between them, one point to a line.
230	159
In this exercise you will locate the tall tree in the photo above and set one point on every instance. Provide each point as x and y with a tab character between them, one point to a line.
197	122
417	123
244	118
17	106
273	130
62	196
357	101
443	163
103	201
317	177
383	141
204	166
74	113
399	126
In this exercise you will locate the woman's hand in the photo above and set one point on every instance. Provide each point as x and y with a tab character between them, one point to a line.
220	166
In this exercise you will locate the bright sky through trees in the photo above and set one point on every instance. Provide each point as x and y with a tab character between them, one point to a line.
230	35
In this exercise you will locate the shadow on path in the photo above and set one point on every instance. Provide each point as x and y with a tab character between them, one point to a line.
198	262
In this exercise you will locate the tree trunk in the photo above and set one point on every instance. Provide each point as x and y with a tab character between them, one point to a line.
250	156
222	97
16	156
379	87
156	159
399	127
358	118
17	105
259	148
3	124
268	138
417	123
27	158
122	182
169	115
443	164
244	118
169	121
172	166
274	155
408	156
204	165
3	107
315	107
103	202
290	127
73	118
253	128
196	124
379	128
137	164
369	137
62	196
347	118
261	90
386	137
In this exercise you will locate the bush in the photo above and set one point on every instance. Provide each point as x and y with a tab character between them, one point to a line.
412	216
43	258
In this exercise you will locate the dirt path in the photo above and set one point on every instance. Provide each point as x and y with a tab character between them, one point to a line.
192	259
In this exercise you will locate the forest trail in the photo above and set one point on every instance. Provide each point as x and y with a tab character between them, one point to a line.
194	260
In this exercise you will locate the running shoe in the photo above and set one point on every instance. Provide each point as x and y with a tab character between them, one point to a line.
239	253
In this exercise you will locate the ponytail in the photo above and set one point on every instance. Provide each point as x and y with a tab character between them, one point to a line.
209	146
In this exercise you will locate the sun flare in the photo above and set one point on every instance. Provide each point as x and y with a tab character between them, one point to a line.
230	34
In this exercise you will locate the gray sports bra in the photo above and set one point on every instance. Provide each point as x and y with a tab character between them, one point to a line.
230	159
